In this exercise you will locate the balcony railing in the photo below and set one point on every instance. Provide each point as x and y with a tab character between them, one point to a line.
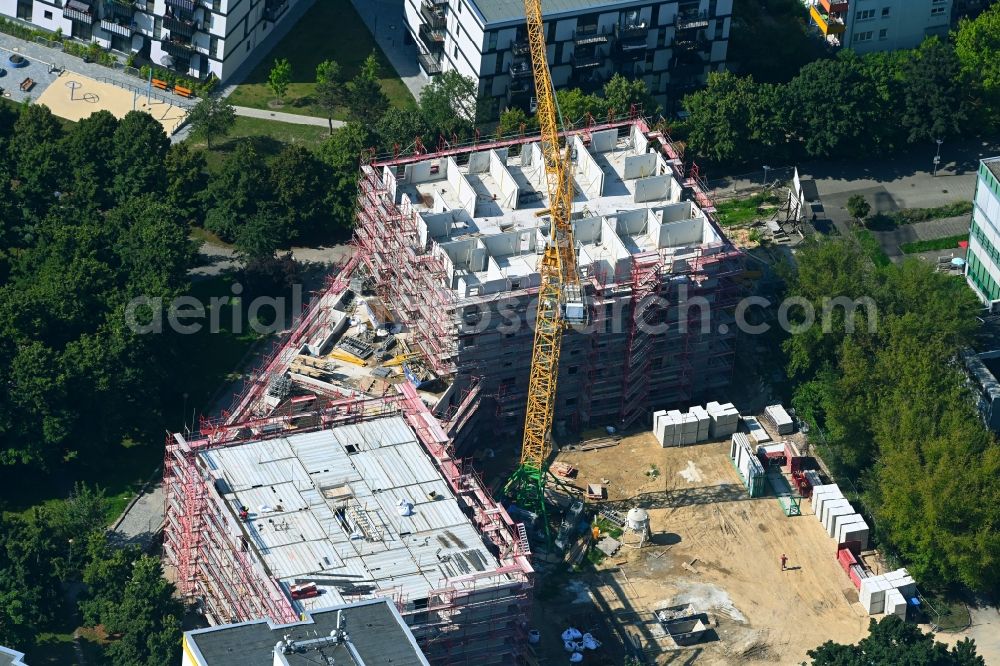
119	9
79	11
520	70
431	37
587	60
273	9
827	23
186	5
430	63
632	31
178	48
521	48
692	20
117	28
520	86
432	15
179	26
834	6
589	34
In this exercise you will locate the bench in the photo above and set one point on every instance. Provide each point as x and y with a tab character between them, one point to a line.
27	84
183	92
162	85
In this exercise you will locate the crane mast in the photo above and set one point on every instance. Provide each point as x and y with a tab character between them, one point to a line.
560	301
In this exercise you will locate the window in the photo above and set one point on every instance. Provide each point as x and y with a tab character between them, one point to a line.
863	36
885	11
455	51
213	47
47	15
573	370
865	14
459	7
883	33
492	43
937	11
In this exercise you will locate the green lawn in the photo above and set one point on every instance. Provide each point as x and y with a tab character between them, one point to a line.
57	649
741	211
946	243
269	137
330	30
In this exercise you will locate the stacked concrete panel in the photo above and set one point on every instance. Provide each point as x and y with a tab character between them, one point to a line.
895	604
723	420
701	414
779	419
853	528
757	432
840	517
872	593
832	508
741	451
675	428
821	494
901	580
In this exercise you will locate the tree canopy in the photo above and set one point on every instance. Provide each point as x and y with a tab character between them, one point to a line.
893	642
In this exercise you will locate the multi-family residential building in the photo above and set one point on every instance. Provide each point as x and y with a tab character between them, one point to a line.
193	37
879	25
982	270
671	45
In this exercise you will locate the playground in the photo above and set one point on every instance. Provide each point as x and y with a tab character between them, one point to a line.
75	96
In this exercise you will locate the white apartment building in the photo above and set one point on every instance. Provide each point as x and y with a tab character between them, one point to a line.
671	45
982	269
880	25
193	37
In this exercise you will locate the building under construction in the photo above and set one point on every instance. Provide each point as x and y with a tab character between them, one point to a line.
451	242
334	478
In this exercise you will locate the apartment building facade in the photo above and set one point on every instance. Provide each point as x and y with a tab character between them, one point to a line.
982	269
192	37
671	45
879	25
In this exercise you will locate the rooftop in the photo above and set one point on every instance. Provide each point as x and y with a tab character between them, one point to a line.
499	11
993	164
486	213
359	510
376	633
10	657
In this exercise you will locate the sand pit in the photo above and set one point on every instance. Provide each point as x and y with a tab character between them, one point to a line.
75	96
712	547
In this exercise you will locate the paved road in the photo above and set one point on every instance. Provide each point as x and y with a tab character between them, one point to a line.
142	520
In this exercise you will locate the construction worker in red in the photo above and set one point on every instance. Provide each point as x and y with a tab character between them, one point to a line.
783	561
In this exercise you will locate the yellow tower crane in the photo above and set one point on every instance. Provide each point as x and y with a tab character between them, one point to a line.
560	298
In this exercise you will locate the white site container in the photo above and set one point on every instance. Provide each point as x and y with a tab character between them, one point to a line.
702	415
872	594
656	419
823	494
839	517
895	604
780	419
856	530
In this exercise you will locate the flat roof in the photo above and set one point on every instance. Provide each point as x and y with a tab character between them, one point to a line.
324	508
993	164
9	657
486	210
375	629
498	11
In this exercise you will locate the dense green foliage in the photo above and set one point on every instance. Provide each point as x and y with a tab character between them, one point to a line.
892	642
977	43
280	78
835	108
212	117
619	97
896	412
79	243
770	39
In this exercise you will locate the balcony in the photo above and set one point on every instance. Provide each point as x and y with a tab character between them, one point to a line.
79	11
520	49
433	38
432	15
273	9
178	48
186	5
520	70
589	34
632	37
587	60
430	63
179	25
692	20
119	9
834	6
828	24
520	86
117	27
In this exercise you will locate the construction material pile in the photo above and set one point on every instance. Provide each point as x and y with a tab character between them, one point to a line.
698	424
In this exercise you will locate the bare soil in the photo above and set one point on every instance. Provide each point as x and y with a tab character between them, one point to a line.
712	546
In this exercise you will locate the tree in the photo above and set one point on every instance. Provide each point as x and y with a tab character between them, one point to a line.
858	207
365	100
934	100
261	235
37	157
448	104
574	105
400	127
137	162
88	145
237	191
893	642
977	45
512	121
341	153
623	95
212	117
280	78
300	182
146	622
329	88
186	181
769	40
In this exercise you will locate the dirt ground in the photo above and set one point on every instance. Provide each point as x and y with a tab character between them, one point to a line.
74	96
711	546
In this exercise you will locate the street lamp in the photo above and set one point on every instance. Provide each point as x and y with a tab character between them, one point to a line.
937	157
766	169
